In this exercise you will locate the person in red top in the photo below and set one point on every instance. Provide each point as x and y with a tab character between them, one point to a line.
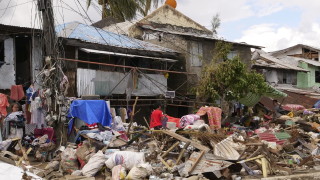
156	117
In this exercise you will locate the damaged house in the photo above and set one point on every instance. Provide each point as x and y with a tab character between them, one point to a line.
170	28
96	62
292	70
20	55
307	57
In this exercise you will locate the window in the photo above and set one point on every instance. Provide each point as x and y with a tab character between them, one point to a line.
1	53
196	54
317	76
232	54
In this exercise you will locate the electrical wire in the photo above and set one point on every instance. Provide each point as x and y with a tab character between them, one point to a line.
16	5
5	10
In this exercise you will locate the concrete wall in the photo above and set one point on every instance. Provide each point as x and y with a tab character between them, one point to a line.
7	71
307	80
191	49
271	76
168	15
36	60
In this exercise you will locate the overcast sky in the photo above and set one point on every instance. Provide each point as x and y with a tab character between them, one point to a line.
274	24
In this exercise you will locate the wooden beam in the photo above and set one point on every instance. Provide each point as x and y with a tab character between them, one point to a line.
181	138
128	67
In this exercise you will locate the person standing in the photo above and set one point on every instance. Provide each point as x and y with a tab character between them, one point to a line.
156	117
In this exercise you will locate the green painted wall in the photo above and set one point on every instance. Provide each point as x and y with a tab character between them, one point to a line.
307	79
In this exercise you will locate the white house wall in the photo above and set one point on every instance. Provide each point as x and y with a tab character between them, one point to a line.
94	82
7	71
36	59
271	76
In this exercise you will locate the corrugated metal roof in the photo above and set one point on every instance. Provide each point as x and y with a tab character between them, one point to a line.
8	29
308	61
86	33
298	45
267	60
202	36
125	55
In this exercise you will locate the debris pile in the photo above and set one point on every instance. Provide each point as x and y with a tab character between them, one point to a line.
197	146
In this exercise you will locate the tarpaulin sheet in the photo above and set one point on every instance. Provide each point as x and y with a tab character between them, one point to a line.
90	111
251	98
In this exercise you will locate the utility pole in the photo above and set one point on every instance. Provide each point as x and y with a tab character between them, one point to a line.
49	35
103	3
52	74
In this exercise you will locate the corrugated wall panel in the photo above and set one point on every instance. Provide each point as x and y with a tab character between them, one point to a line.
85	85
93	82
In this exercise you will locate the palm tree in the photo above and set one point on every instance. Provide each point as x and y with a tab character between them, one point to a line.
125	9
148	4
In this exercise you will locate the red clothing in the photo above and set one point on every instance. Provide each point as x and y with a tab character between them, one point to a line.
3	105
17	92
156	117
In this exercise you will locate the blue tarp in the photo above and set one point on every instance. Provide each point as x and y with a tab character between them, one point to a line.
317	104
90	111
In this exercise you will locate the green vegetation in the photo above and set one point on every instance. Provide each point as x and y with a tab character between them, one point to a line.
228	80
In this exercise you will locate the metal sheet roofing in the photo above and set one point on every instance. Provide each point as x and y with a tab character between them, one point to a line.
125	55
308	61
268	61
8	29
202	36
298	45
87	33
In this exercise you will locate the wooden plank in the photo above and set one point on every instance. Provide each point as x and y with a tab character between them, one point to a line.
181	138
183	151
170	149
197	162
25	155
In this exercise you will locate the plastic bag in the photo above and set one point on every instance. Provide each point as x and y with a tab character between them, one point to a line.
69	162
140	171
117	124
53	164
83	153
118	172
94	165
77	173
127	159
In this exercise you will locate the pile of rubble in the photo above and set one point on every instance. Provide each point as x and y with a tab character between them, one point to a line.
283	146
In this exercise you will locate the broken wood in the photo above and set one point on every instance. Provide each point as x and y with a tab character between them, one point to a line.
197	162
27	160
181	138
146	122
24	154
305	160
256	152
164	162
170	149
132	114
264	164
183	151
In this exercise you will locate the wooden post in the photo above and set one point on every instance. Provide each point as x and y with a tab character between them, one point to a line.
132	114
197	162
264	164
170	149
182	151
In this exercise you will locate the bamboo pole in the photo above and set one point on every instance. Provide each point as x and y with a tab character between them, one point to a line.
132	114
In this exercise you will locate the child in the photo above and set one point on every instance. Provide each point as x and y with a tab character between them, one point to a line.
156	117
14	123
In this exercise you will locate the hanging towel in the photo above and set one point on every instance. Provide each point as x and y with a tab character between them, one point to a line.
214	116
17	92
3	105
